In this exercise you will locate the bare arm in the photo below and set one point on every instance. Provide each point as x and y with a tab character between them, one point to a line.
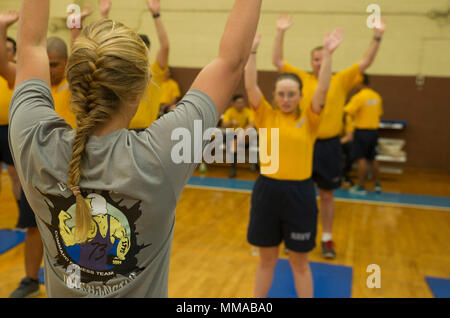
330	44
75	32
251	76
7	68
105	7
374	45
347	137
284	22
220	78
162	57
32	61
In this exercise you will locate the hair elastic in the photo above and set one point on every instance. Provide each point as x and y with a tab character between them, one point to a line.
76	190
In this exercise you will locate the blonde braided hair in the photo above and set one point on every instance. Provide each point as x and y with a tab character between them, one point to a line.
108	68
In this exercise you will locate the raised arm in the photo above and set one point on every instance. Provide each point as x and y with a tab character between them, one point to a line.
75	32
105	7
220	78
330	44
251	76
32	61
284	22
162	57
374	45
7	68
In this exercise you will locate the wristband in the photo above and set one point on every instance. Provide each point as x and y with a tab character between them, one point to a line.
156	15
377	38
254	52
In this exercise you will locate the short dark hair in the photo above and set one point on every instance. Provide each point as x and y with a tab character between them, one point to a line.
366	80
237	96
317	48
145	39
59	46
8	39
291	76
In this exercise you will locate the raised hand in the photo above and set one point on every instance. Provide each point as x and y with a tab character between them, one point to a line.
379	31
9	18
333	40
154	6
87	11
105	6
284	22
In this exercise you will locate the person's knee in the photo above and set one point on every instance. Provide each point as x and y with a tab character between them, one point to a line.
268	261
300	265
326	195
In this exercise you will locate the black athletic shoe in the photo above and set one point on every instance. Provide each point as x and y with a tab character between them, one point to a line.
28	288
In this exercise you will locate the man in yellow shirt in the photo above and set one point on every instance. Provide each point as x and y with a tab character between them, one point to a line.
366	108
7	59
170	92
58	54
238	116
327	151
149	107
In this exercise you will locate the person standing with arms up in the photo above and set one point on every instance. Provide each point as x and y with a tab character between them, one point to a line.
327	150
283	204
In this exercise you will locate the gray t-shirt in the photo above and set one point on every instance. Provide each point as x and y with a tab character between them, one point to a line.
130	181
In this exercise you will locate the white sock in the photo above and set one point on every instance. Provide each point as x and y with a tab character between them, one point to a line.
326	237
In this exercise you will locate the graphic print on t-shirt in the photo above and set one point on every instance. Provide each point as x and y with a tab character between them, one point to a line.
111	247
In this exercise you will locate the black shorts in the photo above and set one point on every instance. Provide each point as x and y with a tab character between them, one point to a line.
327	163
365	143
5	153
27	218
283	210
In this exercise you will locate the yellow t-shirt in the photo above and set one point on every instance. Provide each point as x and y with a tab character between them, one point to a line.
349	125
244	117
5	98
296	140
366	107
169	91
341	84
148	109
61	96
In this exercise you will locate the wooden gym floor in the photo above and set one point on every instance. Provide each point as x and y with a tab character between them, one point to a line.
211	257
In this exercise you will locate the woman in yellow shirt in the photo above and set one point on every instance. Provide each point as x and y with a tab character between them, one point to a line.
283	204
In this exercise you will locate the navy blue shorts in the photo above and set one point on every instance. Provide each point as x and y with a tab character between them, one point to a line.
327	163
27	218
365	143
5	153
283	211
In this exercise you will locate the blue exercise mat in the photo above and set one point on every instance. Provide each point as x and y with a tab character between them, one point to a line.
10	239
440	287
330	281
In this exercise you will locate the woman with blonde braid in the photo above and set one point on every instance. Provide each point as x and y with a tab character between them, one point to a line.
104	196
